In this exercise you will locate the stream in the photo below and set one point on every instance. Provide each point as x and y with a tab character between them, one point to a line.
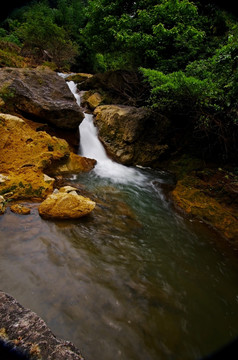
134	280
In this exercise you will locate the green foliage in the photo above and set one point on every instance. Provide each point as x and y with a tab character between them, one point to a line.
176	92
187	51
205	96
43	38
164	34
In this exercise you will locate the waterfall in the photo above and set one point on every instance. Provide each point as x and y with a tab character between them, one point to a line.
91	147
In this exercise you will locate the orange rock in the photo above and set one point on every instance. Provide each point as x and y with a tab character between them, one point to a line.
20	209
25	154
74	164
190	196
65	205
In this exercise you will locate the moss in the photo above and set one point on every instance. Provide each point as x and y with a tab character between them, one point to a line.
8	189
6	93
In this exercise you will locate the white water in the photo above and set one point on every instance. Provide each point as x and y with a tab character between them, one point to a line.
91	147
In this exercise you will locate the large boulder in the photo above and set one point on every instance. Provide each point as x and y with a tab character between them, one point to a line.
131	136
40	94
25	334
64	204
28	155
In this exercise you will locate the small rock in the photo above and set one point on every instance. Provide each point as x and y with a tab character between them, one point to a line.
20	209
94	100
67	189
63	205
3	178
48	179
2	205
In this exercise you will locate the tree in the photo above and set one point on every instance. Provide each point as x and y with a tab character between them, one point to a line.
43	38
164	34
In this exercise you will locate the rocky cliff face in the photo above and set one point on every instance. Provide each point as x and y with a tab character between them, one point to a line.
39	94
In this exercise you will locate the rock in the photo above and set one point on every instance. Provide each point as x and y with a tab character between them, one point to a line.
74	164
2	205
20	209
48	179
25	331
67	189
192	200
66	205
207	194
42	95
3	178
92	100
24	174
131	136
78	78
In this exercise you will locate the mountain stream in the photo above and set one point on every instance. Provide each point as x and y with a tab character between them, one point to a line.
134	280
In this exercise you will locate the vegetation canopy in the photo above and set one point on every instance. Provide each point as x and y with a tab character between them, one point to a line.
186	50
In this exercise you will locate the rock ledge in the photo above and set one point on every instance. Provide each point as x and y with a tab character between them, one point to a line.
29	333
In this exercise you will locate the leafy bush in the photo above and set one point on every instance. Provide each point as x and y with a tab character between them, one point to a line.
205	97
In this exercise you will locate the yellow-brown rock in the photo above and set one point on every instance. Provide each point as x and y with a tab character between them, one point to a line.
195	198
74	164
20	209
25	154
78	78
66	205
94	100
2	205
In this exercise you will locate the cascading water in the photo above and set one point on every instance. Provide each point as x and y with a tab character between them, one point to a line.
91	147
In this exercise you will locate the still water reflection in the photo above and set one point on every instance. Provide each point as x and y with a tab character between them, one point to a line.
131	281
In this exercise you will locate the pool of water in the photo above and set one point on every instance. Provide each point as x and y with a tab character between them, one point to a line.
133	280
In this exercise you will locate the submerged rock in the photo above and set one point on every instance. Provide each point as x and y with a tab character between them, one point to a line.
66	204
131	136
40	94
26	332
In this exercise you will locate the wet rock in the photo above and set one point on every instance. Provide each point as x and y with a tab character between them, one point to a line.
131	136
29	334
20	209
66	205
41	95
